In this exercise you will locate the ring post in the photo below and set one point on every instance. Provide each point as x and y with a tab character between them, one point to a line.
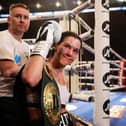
102	69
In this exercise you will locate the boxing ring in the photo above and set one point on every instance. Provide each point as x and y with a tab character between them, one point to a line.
117	108
83	72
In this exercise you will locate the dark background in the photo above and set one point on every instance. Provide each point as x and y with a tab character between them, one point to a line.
117	20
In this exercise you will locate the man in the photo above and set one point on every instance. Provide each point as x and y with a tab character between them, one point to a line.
13	55
43	76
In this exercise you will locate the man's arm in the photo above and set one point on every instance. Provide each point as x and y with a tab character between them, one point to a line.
9	68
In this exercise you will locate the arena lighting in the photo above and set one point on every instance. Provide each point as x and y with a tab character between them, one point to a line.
3	17
58	4
1	7
79	2
121	0
38	5
68	11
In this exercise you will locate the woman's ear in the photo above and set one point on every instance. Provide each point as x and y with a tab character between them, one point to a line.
54	46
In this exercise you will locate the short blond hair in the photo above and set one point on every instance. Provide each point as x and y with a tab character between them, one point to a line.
22	5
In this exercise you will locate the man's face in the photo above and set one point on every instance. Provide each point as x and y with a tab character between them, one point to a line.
68	50
19	20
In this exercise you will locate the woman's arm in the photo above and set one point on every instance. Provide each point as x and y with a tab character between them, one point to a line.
32	72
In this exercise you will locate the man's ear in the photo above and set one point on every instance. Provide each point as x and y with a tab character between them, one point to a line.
9	19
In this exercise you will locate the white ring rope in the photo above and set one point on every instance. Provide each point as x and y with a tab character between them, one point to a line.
86	83
83	23
87	47
115	64
116	54
110	77
87	35
114	69
117	77
87	77
83	67
86	5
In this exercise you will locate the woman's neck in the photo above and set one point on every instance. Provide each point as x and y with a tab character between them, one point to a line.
54	67
57	73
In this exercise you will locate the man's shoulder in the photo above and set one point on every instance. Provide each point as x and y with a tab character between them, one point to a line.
3	32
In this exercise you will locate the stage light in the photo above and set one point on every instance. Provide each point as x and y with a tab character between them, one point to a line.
79	2
58	4
38	5
1	7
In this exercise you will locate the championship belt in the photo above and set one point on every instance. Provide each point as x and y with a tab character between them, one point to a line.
45	104
48	104
79	121
50	99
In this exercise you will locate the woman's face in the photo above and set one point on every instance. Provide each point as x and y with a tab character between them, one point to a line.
67	51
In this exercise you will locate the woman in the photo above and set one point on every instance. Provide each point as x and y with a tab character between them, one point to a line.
65	51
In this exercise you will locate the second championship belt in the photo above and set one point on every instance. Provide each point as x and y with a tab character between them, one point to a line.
50	99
